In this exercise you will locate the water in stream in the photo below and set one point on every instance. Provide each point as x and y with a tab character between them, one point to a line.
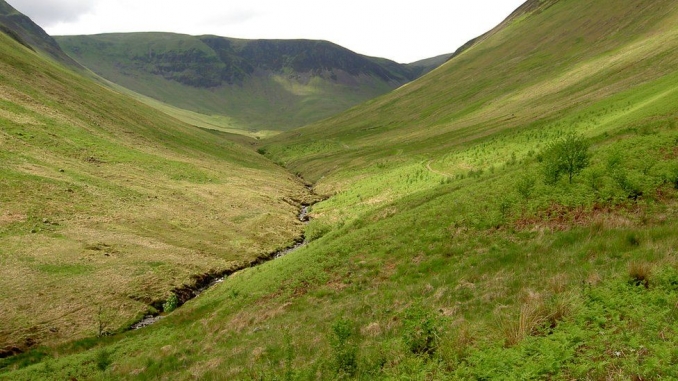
303	217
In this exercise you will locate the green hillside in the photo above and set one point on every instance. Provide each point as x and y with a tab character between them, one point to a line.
108	204
259	85
563	65
511	215
19	27
426	65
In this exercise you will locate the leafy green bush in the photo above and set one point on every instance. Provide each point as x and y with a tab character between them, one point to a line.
525	186
421	331
630	186
595	179
171	303
567	156
103	359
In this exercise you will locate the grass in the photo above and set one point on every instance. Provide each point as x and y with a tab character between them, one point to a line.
543	282
373	287
106	201
473	98
442	252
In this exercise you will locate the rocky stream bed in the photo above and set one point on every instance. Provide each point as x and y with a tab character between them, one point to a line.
203	282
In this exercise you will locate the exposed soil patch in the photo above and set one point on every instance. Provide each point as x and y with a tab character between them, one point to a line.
10	351
9	218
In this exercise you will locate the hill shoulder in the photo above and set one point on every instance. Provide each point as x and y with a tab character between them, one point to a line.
23	30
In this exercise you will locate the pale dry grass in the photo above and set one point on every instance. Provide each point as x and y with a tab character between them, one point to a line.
17	118
532	316
372	330
537	312
120	233
593	279
449	311
640	272
20	98
8	217
494	286
440	293
249	319
558	283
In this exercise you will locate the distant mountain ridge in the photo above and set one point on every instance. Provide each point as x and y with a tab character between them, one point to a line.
262	84
209	61
320	58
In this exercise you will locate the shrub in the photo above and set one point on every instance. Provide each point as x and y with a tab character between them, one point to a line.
568	156
675	177
345	351
630	187
103	359
595	179
525	186
505	206
421	331
102	322
171	303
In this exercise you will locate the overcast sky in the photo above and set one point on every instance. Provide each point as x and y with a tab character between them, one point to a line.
404	31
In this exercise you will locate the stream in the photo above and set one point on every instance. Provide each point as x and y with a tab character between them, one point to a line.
206	281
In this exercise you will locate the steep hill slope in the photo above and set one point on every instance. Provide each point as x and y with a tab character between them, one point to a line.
107	204
509	79
25	31
452	246
259	84
424	66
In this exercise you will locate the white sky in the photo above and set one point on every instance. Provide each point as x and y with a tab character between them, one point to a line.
404	31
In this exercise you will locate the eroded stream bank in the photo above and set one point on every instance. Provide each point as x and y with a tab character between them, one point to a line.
206	281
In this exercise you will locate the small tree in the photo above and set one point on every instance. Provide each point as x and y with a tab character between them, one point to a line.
525	186
569	156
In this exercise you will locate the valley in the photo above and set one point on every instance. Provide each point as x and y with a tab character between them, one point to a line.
511	214
252	87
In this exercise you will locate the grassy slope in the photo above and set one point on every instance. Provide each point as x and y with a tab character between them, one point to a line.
502	84
262	102
107	202
428	64
26	32
429	262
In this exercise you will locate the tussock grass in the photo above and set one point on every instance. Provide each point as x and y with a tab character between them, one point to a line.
640	273
532	317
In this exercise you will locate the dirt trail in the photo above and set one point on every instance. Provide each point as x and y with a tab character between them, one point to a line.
428	166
